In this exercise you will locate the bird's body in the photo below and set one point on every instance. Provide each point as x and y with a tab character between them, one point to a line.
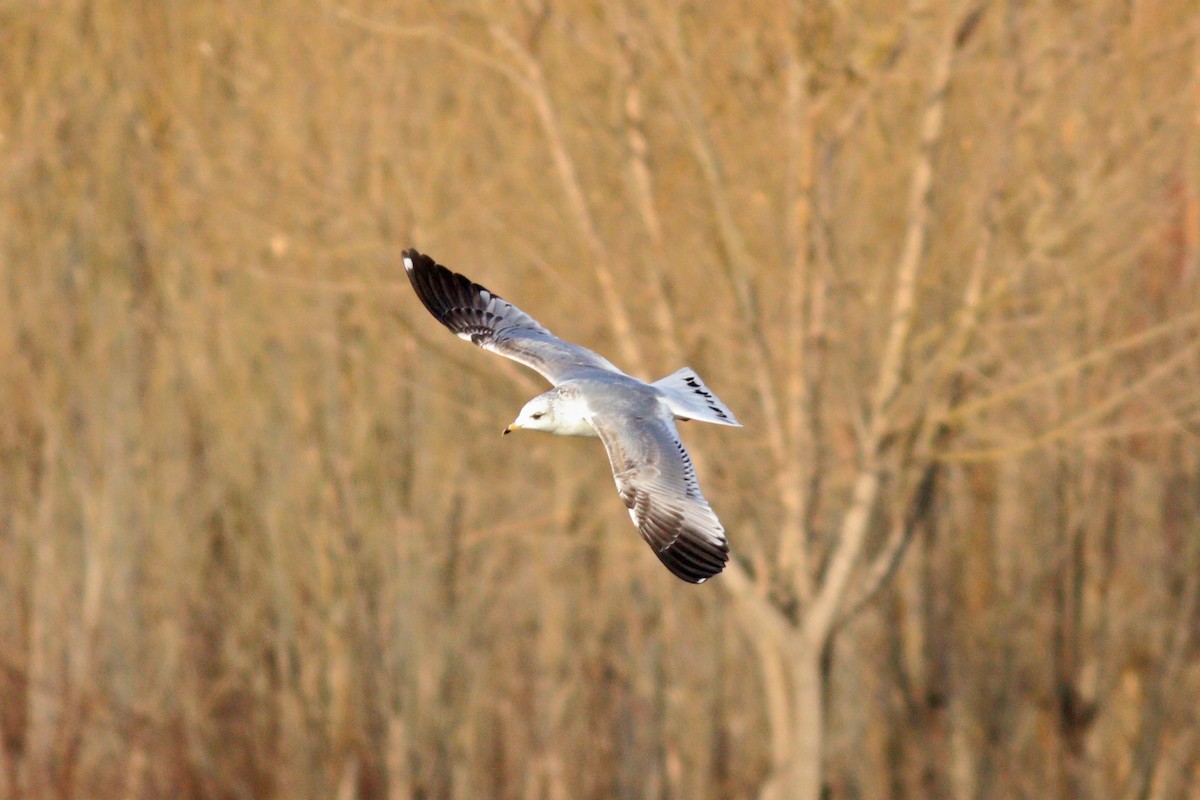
591	397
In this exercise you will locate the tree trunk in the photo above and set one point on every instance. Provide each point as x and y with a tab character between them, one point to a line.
809	730
800	778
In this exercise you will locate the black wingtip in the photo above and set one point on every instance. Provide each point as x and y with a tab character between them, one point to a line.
413	257
693	560
442	291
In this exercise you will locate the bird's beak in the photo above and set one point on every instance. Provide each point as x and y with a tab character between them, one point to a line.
510	429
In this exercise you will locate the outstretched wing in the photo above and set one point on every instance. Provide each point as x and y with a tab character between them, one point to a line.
657	481
479	316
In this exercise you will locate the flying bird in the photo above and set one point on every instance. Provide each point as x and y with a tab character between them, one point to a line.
591	397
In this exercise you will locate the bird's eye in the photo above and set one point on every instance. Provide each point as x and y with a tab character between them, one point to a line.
538	414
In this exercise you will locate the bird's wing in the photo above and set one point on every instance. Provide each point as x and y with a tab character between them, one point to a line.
657	481
479	316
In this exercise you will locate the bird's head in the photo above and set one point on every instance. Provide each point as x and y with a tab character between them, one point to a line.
537	415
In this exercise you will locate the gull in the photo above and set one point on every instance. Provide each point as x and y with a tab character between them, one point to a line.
591	397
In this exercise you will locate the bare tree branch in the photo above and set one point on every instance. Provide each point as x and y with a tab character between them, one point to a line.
535	87
642	185
801	385
826	605
1177	324
765	617
737	258
431	33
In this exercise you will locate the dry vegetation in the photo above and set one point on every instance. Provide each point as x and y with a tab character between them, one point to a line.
259	534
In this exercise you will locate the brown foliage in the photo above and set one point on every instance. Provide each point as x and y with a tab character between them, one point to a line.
259	534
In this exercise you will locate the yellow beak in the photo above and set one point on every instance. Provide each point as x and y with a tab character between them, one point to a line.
510	429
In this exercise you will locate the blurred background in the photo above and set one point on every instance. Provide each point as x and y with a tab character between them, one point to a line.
260	536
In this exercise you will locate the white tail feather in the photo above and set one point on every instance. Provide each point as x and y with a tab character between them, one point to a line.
689	398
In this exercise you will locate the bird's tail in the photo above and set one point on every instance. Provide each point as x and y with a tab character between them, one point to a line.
689	398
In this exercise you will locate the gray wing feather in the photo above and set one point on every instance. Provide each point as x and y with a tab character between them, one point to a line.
657	481
491	322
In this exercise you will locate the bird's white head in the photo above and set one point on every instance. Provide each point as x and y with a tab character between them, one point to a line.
555	411
537	415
